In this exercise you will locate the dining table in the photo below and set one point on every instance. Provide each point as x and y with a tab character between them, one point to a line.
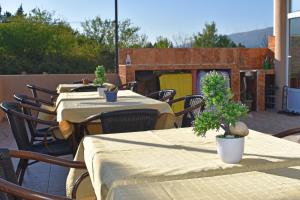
75	107
177	164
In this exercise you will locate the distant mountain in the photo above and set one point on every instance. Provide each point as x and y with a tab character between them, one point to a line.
253	39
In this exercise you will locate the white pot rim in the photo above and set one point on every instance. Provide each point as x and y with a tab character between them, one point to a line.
221	136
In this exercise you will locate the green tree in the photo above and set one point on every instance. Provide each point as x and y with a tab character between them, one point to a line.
20	11
163	42
103	31
209	38
37	42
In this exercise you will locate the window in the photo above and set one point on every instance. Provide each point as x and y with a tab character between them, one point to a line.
295	5
294	53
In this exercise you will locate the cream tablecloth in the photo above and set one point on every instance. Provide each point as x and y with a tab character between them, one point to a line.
61	88
76	107
276	184
78	96
116	160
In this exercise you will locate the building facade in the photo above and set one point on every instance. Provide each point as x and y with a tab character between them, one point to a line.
287	48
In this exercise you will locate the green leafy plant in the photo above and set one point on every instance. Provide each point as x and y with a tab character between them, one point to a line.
100	75
221	111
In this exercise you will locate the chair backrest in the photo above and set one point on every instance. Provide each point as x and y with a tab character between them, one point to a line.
88	88
163	95
166	95
190	101
7	173
22	98
129	120
33	90
17	123
129	86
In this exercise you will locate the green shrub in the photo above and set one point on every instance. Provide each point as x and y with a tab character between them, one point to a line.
220	110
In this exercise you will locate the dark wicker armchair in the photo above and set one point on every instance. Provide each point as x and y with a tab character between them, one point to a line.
124	120
35	89
35	110
17	120
163	95
129	86
11	190
87	88
193	106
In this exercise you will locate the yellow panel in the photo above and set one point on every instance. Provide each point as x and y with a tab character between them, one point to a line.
182	83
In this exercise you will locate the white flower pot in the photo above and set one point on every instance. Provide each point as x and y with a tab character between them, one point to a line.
101	91
230	150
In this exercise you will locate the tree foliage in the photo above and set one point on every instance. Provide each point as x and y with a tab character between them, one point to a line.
209	38
163	42
103	31
38	42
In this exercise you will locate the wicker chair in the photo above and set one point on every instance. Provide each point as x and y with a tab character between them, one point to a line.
17	119
88	88
163	95
11	190
124	120
35	110
193	106
129	86
35	89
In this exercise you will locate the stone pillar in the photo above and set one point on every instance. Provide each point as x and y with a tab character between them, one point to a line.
280	14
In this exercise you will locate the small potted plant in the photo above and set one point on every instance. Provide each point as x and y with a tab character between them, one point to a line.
111	94
100	79
222	112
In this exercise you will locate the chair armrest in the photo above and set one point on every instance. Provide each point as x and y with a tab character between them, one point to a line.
47	159
77	183
189	109
287	132
176	100
30	118
38	109
24	193
22	98
152	94
90	119
44	90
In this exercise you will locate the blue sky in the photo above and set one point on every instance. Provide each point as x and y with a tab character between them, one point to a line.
162	17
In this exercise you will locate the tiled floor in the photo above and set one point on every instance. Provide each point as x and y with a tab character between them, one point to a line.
40	176
51	179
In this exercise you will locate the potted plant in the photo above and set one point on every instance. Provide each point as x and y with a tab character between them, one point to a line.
222	112
100	79
110	92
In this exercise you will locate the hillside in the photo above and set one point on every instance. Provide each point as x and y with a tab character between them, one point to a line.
253	39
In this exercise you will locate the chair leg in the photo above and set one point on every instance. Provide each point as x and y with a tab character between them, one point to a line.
23	163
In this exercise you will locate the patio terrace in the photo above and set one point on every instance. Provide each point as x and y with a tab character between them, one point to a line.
51	179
